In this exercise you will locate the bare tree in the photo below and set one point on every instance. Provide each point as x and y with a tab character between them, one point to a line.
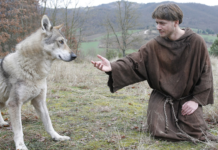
126	20
54	4
77	24
18	19
73	19
108	43
43	4
74	23
66	20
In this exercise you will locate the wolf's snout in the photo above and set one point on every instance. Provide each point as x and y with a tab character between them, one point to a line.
73	56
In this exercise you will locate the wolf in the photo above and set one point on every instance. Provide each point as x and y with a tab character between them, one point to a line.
23	77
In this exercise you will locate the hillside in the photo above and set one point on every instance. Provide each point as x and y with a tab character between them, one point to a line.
195	16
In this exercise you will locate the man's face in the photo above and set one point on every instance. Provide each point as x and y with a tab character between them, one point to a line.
166	28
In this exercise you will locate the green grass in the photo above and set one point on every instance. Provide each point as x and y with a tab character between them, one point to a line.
89	48
82	107
209	38
88	45
92	48
130	32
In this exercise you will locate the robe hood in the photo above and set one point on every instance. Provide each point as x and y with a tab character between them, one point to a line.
177	69
177	44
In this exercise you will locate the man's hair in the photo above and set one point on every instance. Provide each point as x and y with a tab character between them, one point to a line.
170	12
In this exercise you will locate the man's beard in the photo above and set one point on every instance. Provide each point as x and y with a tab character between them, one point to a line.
167	35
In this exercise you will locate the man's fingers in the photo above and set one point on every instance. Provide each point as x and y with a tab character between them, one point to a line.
189	107
187	112
184	105
96	64
93	62
184	112
101	57
100	67
185	108
190	112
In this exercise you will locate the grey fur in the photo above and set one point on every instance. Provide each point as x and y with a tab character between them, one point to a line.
23	78
51	39
5	74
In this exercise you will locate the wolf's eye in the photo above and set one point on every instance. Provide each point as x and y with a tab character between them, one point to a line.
61	41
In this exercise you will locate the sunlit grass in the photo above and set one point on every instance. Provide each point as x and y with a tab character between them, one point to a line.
82	107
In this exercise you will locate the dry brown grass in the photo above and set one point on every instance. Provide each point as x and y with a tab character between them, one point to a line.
73	74
81	106
211	111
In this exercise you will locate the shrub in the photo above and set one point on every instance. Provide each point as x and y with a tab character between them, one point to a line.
214	47
110	54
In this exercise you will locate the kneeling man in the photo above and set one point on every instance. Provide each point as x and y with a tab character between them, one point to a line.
176	65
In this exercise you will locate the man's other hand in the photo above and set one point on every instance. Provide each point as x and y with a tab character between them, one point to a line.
103	65
189	107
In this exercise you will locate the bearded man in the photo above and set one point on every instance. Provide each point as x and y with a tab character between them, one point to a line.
176	65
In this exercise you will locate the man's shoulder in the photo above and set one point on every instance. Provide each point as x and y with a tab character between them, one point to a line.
150	43
196	38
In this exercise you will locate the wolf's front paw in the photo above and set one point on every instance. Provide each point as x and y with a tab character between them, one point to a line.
21	147
61	138
4	124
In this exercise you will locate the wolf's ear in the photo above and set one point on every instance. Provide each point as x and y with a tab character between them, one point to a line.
46	25
59	27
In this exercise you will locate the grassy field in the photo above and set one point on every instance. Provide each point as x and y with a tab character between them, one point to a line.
209	38
92	48
81	106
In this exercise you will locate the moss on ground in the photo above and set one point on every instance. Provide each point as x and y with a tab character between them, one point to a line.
95	119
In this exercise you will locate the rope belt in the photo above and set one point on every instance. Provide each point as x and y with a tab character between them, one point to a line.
169	99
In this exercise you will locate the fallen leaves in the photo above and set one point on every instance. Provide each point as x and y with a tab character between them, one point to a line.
40	138
123	137
134	127
6	125
73	144
114	119
115	138
104	109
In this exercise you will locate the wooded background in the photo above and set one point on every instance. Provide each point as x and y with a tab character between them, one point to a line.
19	18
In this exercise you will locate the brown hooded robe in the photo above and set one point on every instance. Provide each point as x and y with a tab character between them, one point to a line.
180	70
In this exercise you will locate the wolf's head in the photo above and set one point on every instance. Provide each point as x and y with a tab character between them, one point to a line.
54	43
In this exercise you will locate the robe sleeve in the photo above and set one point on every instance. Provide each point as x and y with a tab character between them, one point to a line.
128	70
203	90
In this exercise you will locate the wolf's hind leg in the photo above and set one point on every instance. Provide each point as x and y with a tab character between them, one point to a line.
2	122
41	108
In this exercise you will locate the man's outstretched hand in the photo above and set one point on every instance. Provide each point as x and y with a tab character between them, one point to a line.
189	107
103	65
